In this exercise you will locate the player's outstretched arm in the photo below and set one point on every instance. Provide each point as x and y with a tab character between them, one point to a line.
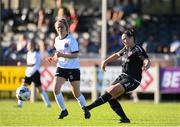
110	59
67	55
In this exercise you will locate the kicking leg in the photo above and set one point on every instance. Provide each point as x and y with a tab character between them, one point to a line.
101	100
112	92
20	102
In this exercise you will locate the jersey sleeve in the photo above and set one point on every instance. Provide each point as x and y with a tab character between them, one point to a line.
74	46
141	53
38	58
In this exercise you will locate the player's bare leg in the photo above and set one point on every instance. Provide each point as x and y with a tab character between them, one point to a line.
57	84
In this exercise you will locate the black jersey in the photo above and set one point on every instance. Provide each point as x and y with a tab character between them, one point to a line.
132	61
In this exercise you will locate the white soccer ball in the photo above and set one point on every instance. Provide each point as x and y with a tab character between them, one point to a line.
23	93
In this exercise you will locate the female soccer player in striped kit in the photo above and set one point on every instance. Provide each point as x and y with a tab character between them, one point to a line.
134	61
68	67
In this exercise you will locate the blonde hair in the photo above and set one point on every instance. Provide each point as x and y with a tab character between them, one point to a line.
64	21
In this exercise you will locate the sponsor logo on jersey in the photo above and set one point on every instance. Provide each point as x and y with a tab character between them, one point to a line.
71	77
127	84
66	45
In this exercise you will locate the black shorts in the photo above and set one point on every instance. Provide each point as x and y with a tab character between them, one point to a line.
35	78
127	82
68	74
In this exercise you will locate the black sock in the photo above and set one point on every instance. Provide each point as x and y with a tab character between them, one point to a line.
101	100
116	106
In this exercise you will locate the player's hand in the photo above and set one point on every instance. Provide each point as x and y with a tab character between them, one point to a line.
103	66
54	58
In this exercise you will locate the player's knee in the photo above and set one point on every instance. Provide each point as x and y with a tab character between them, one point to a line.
114	91
109	89
56	89
77	94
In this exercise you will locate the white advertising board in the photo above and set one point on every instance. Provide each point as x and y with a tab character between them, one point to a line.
148	83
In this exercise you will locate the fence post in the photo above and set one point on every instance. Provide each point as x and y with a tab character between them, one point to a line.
94	92
157	95
33	93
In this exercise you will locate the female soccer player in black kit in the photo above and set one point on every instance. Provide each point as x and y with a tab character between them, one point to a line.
134	61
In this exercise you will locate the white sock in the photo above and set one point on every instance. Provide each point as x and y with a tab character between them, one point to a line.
60	101
45	98
20	103
81	100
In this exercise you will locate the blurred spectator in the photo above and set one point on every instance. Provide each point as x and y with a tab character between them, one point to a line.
73	19
61	11
122	9
175	45
42	49
42	21
9	53
1	52
118	11
68	12
21	44
136	20
129	8
87	45
151	45
50	45
166	49
83	43
114	40
93	47
5	13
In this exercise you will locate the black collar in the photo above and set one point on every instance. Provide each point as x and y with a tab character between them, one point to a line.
63	37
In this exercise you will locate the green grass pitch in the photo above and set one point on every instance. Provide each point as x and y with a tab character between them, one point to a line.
141	114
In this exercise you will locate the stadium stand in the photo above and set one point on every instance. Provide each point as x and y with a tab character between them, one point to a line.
88	30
